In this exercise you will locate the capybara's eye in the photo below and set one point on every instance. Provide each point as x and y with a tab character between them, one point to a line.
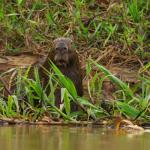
57	49
64	49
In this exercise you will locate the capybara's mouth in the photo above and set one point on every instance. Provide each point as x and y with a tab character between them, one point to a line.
61	63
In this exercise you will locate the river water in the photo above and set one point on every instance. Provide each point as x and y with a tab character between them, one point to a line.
69	138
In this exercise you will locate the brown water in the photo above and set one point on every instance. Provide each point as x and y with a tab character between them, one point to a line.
69	138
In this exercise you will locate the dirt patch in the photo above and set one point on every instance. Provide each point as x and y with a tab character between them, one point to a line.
21	61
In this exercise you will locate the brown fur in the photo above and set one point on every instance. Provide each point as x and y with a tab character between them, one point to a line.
66	59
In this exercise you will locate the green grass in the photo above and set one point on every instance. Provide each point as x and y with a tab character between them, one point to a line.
25	24
30	98
123	27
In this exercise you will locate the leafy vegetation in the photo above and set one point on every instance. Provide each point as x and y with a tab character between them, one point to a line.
114	33
30	99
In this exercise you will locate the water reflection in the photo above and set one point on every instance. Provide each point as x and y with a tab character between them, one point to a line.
68	138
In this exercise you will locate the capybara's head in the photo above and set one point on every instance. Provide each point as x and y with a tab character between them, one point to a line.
62	47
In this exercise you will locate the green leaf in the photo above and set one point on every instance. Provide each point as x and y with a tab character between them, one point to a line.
65	98
64	81
114	79
85	102
19	2
128	110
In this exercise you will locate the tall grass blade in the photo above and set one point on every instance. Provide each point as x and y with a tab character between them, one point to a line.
114	79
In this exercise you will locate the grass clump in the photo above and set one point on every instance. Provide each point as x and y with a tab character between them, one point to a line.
31	101
111	33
